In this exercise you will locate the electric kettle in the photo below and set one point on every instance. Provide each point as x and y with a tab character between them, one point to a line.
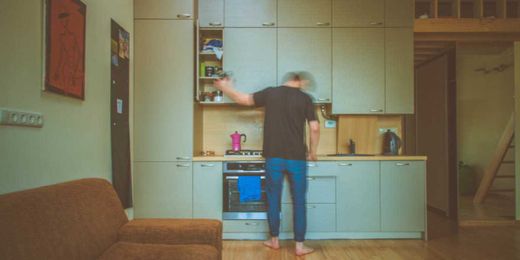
236	139
391	143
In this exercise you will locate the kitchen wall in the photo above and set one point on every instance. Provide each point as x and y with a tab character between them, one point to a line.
485	101
75	140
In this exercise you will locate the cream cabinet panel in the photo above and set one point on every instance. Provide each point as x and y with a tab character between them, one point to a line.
399	13
399	71
307	49
358	71
304	13
163	106
163	9
250	53
207	190
250	13
358	13
162	190
211	13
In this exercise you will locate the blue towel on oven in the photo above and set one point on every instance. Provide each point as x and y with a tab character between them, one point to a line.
249	188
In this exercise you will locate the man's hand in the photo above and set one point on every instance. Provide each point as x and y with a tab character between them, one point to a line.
222	83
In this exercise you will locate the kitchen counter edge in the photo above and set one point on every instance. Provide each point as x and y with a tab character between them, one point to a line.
320	158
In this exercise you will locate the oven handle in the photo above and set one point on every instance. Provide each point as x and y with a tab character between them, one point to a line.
236	177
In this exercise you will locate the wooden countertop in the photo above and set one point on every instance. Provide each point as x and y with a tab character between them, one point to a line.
221	158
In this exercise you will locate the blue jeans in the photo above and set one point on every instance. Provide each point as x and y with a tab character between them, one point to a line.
297	172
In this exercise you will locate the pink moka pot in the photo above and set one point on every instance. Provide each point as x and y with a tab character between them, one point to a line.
236	139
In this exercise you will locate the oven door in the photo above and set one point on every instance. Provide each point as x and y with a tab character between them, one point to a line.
234	208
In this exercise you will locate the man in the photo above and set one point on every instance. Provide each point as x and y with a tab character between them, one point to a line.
287	108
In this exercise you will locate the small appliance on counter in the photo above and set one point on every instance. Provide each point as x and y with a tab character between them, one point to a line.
391	143
236	140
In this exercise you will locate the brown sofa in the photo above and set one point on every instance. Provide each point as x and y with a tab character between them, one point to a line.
84	219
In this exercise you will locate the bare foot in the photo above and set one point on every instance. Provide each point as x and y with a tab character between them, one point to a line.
272	243
302	249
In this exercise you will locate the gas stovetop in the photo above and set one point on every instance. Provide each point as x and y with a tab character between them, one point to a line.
243	153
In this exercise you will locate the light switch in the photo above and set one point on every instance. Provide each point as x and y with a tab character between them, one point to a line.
20	118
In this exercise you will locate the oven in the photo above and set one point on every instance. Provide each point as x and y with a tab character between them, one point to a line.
233	208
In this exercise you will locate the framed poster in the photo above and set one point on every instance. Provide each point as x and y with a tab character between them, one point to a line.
65	27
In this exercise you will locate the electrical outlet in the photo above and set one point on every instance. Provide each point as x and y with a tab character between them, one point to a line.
383	130
20	118
330	124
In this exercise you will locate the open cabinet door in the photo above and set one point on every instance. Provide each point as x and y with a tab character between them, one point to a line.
517	129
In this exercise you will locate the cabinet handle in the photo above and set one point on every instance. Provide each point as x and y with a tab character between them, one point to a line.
312	165
311	207
215	24
236	177
184	16
207	165
402	164
322	23
376	110
311	178
268	24
322	99
376	23
251	224
183	165
182	158
345	164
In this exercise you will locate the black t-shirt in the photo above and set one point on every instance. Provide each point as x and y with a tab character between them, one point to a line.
286	111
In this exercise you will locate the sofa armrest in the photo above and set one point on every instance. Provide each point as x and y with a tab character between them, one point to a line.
173	231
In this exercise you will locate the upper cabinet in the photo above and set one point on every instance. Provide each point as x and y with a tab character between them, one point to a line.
250	13
163	9
307	49
358	13
304	13
211	13
399	13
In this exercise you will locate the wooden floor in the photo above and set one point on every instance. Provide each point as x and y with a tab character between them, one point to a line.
497	207
447	241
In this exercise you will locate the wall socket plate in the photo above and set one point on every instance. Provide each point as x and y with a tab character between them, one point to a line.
20	118
383	130
330	124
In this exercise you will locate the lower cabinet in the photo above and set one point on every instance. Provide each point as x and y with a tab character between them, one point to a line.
245	226
403	196
163	190
320	217
207	190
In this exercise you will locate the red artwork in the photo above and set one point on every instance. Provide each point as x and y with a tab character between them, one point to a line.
65	42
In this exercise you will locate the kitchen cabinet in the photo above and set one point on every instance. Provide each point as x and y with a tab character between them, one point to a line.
250	13
304	13
245	226
163	110
211	13
207	190
162	190
320	218
359	71
399	13
307	49
399	71
163	9
358	197
403	202
251	56
358	13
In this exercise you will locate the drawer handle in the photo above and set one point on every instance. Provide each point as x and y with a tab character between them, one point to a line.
184	16
236	177
322	23
311	207
207	165
184	158
215	24
345	164
376	110
323	99
183	165
312	165
376	23
402	164
311	178
251	224
268	24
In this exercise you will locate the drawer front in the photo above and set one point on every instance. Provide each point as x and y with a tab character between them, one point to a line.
320	189
321	168
320	218
245	226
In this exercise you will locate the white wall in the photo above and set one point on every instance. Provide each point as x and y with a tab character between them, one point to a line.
75	140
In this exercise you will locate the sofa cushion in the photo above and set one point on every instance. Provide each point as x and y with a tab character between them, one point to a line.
73	220
130	251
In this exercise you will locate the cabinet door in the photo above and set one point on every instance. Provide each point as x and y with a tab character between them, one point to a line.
399	71
304	13
207	190
399	13
307	49
163	126
358	13
251	56
163	9
162	190
211	13
358	199
358	71
320	189
403	203
250	13
320	218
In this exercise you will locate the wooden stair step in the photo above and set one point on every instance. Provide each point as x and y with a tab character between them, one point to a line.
502	190
508	162
506	176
